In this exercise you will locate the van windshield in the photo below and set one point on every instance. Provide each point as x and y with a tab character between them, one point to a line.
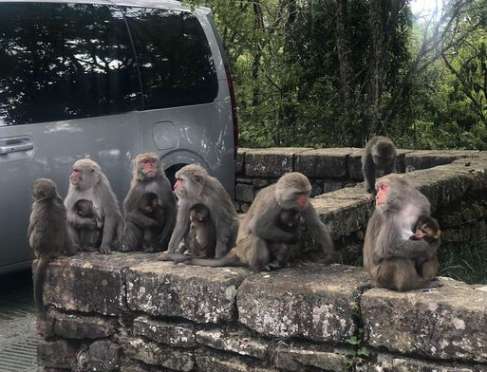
66	61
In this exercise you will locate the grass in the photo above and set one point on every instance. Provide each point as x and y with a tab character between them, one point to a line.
466	262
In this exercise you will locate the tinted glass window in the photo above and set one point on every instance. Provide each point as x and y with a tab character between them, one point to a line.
64	61
174	58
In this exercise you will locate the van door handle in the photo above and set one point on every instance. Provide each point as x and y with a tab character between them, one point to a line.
15	145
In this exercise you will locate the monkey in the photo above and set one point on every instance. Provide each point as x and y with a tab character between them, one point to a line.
195	186
201	239
148	177
47	234
389	253
151	207
87	181
263	242
428	229
89	237
380	155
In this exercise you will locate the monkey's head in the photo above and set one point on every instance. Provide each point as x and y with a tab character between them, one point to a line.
146	166
199	213
43	188
190	181
293	190
290	218
84	208
427	228
85	174
383	153
149	201
394	193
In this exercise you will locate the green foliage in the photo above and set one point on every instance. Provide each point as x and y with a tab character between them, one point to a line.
466	262
301	82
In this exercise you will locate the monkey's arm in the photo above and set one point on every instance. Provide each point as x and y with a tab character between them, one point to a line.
181	229
318	230
169	223
264	226
411	249
368	170
140	219
81	222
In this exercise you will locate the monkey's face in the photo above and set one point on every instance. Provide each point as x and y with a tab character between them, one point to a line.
147	166
293	191
83	177
382	194
43	188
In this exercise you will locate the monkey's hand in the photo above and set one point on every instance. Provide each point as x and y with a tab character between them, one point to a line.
105	249
140	220
82	223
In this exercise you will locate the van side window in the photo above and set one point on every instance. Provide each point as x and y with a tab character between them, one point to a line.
174	58
64	61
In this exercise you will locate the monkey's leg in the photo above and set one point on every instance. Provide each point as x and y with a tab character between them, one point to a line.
39	279
429	269
368	170
279	255
400	275
132	237
74	237
258	255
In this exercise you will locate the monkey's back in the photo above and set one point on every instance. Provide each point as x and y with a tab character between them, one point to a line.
47	228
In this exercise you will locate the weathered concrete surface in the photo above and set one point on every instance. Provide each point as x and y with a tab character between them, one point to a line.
344	211
90	282
102	355
299	358
179	334
236	342
423	159
200	294
271	162
312	301
386	362
153	354
324	163
57	354
208	362
72	326
445	323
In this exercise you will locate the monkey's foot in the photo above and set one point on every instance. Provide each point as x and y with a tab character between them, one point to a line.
183	258
105	249
164	256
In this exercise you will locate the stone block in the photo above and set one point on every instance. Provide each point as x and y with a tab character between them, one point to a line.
207	362
301	358
271	162
57	354
236	342
172	334
311	301
443	323
200	294
354	165
102	355
72	326
424	159
90	282
244	193
153	354
386	362
324	163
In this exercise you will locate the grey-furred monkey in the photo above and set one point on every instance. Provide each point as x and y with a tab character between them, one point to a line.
195	186
390	252
266	234
46	233
378	159
148	179
87	181
201	240
89	236
428	229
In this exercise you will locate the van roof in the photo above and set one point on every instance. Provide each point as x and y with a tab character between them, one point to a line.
164	4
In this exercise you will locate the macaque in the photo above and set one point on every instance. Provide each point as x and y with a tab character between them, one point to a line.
270	226
89	236
202	234
151	207
380	156
428	229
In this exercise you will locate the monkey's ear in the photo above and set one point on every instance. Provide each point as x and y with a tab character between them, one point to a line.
197	178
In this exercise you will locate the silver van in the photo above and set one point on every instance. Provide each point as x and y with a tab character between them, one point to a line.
106	80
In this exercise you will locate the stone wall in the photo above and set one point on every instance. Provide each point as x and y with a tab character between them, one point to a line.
131	313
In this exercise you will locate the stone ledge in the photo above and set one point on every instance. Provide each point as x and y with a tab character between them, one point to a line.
442	323
271	162
200	294
324	163
300	358
310	301
90	282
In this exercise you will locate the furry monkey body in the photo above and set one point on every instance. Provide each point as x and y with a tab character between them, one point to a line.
265	235
379	156
47	233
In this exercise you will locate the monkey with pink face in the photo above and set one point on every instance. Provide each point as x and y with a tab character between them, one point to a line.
394	256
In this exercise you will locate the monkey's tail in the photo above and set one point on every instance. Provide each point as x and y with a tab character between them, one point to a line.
39	280
229	260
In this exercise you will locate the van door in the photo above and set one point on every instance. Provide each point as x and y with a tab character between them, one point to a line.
68	88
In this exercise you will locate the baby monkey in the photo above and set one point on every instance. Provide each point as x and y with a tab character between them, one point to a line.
89	236
427	229
150	206
202	234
